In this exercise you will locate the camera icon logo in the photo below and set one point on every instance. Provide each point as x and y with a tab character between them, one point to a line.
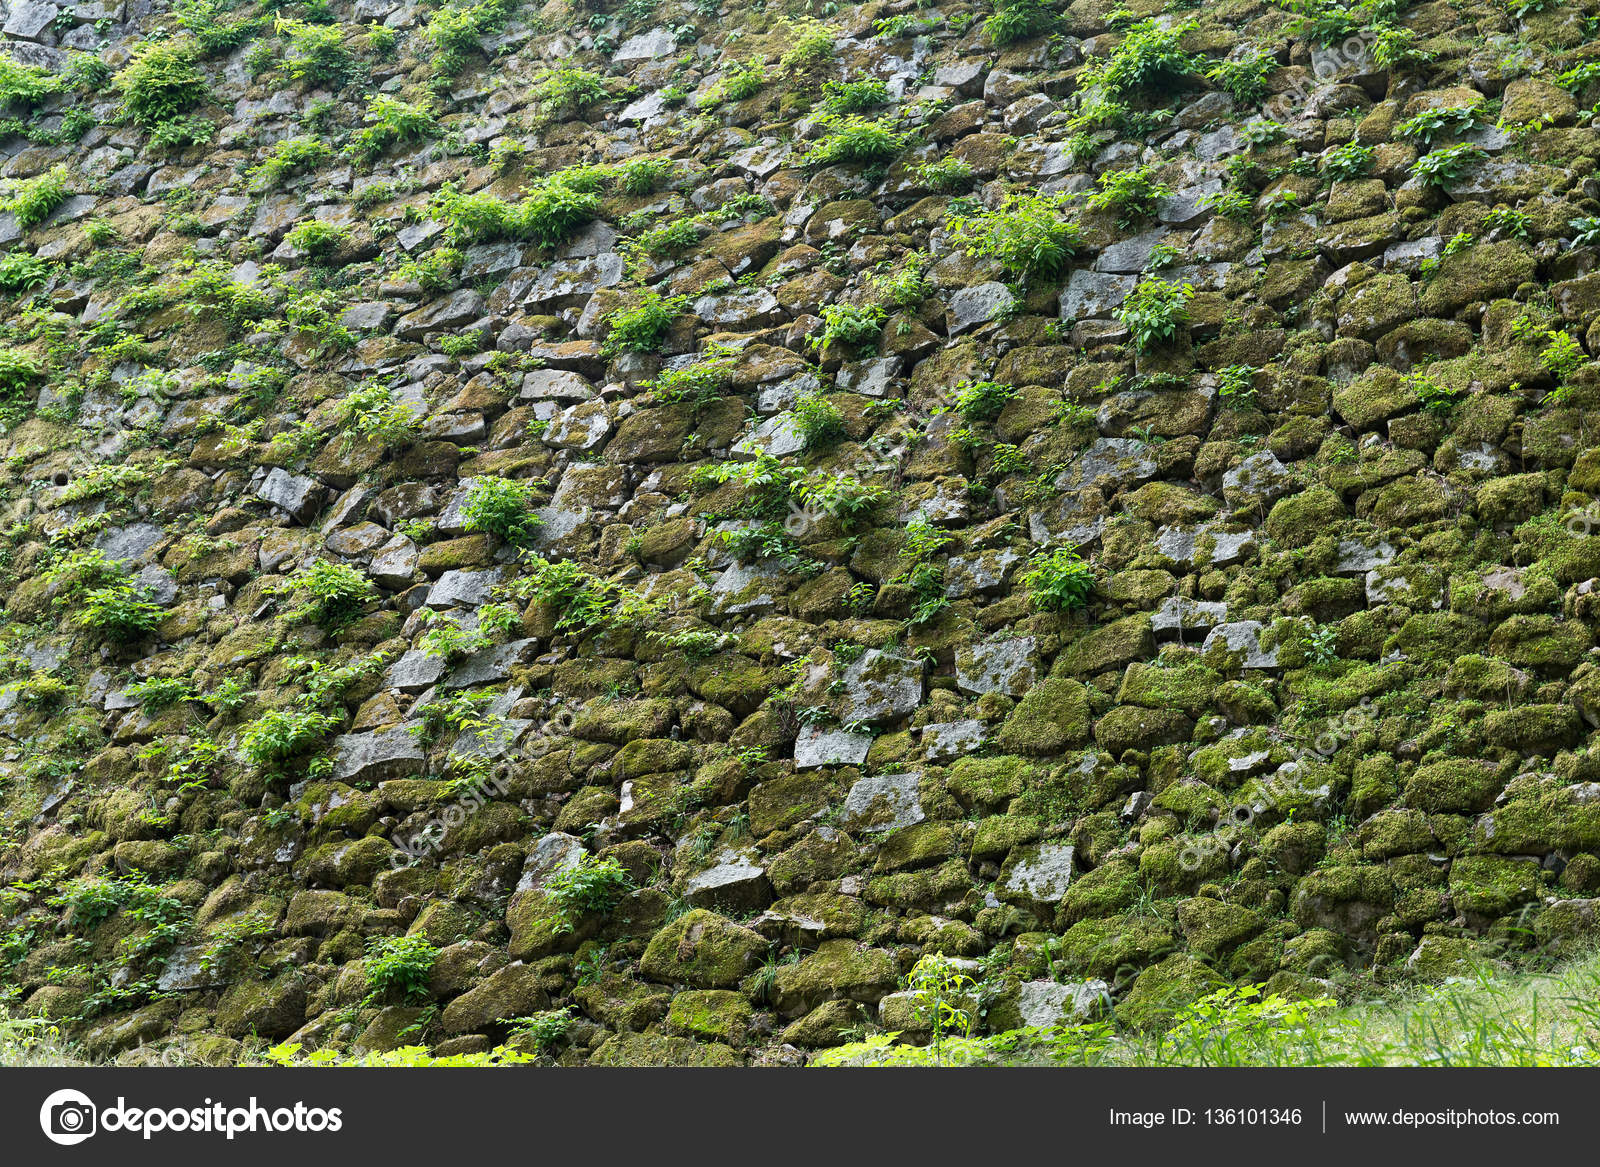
68	1117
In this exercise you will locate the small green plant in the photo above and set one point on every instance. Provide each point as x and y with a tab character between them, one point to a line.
1562	355
1508	221
983	400
317	238
332	594
1028	235
315	52
1432	124
943	998
21	272
400	962
543	1031
370	412
290	156
592	887
1435	397
1351	160
283	734
1017	20
1236	384
1130	193
947	175
818	420
390	121
1154	312
855	139
1243	76
849	324
34	200
1148	60
847	97
161	83
121	612
502	507
1059	580
1586	231
643	327
742	82
570	90
1445	167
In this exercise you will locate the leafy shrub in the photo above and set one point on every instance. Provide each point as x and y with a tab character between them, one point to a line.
1236	384
645	175
1059	580
455	30
1432	124
22	272
203	20
946	176
1130	193
120	612
553	211
641	328
1017	20
400	962
332	594
583	600
317	238
856	140
1562	355
743	81
1352	160
1244	77
851	324
390	121
25	85
668	239
570	89
1230	204
543	1031
371	412
36	199
818	420
1396	48
282	734
1154	311
501	506
847	97
812	43
983	400
290	156
1444	167
1147	60
161	83
1586	231
844	499
1026	234
1435	396
315	52
593	886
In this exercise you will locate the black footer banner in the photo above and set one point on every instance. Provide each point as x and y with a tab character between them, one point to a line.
329	1116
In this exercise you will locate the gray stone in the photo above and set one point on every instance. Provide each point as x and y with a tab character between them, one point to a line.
1258	480
881	687
1092	295
1046	1004
1178	615
883	802
28	19
977	305
1242	636
1000	666
394	565
815	746
377	757
1038	874
1131	254
658	42
944	740
466	589
553	853
414	671
1357	558
298	496
735	881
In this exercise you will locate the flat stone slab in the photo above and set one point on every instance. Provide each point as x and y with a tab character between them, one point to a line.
1045	1004
883	802
377	757
944	740
815	747
1000	666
